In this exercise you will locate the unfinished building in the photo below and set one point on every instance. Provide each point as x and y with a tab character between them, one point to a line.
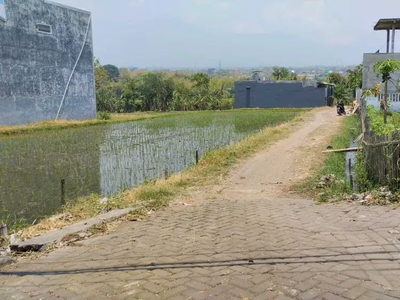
46	62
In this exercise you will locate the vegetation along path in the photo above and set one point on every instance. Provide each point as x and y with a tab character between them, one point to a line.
249	238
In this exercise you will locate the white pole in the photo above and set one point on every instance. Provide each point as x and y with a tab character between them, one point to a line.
73	70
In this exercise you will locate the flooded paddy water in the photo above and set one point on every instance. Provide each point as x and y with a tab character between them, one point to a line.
109	158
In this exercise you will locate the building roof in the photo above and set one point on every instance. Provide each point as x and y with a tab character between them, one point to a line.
324	84
385	24
66	6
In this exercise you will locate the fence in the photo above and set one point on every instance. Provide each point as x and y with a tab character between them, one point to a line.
381	153
375	101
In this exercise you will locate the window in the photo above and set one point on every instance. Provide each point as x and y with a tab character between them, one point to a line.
2	11
44	28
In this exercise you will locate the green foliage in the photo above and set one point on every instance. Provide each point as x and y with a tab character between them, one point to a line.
160	91
155	90
101	75
103	115
201	81
15	223
227	103
377	124
341	90
112	71
355	77
385	68
280	73
335	163
345	85
336	79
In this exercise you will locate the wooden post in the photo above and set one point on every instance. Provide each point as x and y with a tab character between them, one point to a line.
197	157
350	166
3	230
63	191
166	175
351	175
351	182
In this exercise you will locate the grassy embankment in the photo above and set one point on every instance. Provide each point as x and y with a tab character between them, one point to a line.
157	194
333	164
61	124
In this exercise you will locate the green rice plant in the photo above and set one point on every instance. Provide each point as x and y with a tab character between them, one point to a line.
109	159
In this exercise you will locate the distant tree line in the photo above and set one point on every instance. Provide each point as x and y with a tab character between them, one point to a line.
123	90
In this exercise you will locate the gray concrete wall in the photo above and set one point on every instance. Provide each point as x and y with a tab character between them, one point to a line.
35	67
369	77
277	95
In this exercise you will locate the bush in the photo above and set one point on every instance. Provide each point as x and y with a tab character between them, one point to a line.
227	103
377	125
103	115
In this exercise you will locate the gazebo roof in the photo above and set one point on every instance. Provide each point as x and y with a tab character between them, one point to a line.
385	24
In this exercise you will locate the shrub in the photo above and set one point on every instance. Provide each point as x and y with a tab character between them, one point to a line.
103	115
227	103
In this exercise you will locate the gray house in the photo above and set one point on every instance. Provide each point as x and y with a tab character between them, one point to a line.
275	94
46	62
370	79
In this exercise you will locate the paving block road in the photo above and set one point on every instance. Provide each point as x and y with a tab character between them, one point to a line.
226	249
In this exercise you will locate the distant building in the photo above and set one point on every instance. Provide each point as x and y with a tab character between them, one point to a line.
369	77
46	62
281	94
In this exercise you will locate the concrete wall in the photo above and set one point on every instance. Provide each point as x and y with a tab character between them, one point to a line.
35	67
277	94
369	77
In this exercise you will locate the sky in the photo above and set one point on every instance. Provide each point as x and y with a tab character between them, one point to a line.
239	33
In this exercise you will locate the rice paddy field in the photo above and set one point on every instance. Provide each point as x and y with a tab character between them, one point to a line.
107	159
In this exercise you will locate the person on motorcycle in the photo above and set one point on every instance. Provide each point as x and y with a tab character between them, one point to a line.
340	108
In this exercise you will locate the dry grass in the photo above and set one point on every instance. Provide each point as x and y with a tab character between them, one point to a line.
157	194
61	124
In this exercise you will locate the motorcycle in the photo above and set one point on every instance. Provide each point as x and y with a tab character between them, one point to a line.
340	109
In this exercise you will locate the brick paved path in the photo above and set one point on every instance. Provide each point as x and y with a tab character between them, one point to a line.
227	249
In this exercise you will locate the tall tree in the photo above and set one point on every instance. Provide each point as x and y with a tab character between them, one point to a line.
280	73
101	76
112	71
200	80
156	91
355	77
